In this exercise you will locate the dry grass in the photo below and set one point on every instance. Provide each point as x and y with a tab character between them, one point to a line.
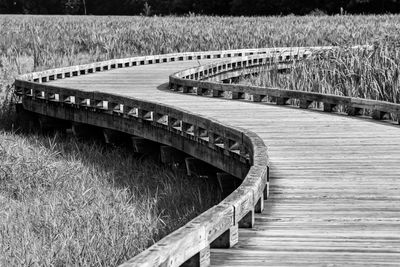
65	202
356	73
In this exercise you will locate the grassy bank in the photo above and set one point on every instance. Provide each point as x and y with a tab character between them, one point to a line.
64	202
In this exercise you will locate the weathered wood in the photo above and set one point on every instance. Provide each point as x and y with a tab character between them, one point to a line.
281	100
248	220
228	239
48	124
144	146
198	168
353	111
115	137
378	115
257	98
201	259
172	156
227	183
26	119
329	107
304	103
234	95
260	204
266	192
81	130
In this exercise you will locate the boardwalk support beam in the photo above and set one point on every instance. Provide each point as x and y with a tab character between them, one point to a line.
115	137
260	204
81	130
227	183
305	104
377	115
353	111
198	168
281	100
201	259
172	156
228	239
248	220
26	119
329	107
49	124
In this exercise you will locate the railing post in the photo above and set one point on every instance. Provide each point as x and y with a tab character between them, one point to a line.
353	111
260	204
305	104
377	114
281	100
228	239
248	220
257	98
200	259
329	107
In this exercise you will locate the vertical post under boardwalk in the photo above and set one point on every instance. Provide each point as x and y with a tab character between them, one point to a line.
144	146
248	220
227	183
266	191
260	204
352	111
329	107
266	188
228	239
305	103
234	95
377	115
170	155
86	131
201	259
281	100
256	98
49	124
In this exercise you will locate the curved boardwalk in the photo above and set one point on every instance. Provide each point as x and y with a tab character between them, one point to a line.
335	180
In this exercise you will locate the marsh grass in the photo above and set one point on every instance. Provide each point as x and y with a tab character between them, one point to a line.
65	202
346	72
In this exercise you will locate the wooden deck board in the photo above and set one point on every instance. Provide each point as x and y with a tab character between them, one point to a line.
335	180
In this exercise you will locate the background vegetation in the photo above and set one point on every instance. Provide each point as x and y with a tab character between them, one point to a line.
346	72
205	7
67	202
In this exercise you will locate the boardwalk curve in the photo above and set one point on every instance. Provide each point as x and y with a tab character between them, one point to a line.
323	167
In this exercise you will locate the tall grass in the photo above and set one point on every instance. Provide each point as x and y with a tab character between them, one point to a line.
347	72
64	202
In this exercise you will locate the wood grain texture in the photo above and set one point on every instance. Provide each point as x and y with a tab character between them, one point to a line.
335	180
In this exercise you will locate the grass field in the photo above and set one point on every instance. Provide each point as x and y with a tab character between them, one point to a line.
66	202
364	74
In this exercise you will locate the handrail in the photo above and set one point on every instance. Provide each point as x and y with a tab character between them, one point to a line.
84	69
194	80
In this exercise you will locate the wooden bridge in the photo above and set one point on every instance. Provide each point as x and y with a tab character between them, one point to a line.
319	187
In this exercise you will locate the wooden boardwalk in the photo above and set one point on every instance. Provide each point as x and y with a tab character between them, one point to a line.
335	180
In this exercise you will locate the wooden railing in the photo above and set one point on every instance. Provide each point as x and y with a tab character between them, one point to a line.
73	71
236	151
198	81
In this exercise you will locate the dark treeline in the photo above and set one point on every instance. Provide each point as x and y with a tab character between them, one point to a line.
209	7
